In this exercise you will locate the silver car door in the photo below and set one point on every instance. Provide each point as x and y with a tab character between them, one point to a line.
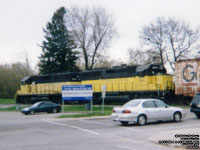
164	111
149	109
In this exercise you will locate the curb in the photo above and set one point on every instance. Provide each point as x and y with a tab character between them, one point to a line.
81	118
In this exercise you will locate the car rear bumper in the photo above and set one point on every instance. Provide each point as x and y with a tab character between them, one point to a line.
124	117
195	110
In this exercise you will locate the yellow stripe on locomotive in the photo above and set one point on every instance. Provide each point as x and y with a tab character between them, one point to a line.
131	81
147	83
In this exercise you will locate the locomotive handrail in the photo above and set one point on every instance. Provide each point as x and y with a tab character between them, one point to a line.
158	90
165	86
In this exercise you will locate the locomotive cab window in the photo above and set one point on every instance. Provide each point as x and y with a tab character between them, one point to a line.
91	75
25	80
112	73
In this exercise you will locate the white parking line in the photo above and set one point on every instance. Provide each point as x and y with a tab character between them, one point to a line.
89	131
56	123
95	122
123	147
78	128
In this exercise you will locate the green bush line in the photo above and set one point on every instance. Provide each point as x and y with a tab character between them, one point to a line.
7	101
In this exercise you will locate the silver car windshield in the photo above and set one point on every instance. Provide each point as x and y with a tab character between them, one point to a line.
133	103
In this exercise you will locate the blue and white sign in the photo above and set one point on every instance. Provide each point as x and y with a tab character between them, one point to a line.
77	92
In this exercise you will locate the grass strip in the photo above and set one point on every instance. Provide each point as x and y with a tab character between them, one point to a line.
7	101
8	109
81	108
85	115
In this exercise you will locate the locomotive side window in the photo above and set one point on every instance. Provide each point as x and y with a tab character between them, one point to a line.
131	71
91	75
112	73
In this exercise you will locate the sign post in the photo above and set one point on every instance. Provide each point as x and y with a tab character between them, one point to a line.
63	103
103	96
91	102
77	93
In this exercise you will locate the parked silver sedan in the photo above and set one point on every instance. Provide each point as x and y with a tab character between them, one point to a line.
141	111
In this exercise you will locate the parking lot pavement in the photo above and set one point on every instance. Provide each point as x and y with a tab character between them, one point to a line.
44	132
104	134
152	132
172	138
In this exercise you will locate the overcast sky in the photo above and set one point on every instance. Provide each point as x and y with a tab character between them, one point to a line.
21	23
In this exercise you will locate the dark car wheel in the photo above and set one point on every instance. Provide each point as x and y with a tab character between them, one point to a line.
54	110
198	115
177	117
124	122
141	120
32	112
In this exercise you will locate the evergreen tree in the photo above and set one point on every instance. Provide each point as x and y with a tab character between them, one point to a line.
58	48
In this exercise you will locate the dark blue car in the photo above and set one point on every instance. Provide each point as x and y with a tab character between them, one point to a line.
195	105
43	106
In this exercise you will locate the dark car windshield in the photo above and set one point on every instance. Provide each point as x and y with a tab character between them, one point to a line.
133	103
196	98
36	104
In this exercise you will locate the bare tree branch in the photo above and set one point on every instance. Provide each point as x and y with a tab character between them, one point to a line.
170	38
153	36
182	39
93	30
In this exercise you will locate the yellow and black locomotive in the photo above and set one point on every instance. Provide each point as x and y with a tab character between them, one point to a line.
122	83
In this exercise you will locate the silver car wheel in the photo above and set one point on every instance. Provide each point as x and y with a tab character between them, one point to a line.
141	120
177	117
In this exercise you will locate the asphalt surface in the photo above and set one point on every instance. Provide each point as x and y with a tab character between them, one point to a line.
45	132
